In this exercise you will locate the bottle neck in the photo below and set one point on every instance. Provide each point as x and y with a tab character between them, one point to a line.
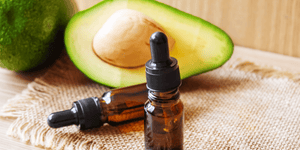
164	97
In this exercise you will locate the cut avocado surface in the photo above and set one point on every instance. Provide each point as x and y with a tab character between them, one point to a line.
199	45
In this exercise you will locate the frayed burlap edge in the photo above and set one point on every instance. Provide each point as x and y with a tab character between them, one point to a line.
266	72
36	133
17	105
35	90
263	71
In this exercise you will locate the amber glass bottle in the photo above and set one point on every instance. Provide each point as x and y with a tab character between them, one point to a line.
164	112
115	107
123	105
164	121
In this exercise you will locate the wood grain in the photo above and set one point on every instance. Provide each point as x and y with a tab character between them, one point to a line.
269	25
12	83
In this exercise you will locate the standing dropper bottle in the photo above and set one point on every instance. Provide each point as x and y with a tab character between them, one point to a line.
163	110
114	107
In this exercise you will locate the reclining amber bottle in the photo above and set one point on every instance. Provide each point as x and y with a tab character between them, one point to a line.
164	115
115	107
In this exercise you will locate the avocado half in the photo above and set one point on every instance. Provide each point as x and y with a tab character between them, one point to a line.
199	45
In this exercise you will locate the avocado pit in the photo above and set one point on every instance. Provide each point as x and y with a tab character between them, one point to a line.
123	40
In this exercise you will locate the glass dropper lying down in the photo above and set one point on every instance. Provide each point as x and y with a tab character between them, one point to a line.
114	107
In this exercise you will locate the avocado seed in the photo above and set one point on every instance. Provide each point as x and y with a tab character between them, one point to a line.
123	40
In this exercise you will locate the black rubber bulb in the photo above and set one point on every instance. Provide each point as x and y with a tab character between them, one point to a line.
162	71
63	118
84	113
159	49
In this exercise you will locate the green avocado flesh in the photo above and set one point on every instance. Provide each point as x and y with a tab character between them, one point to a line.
199	45
31	31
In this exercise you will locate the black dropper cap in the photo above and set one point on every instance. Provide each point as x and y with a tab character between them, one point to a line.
162	71
85	113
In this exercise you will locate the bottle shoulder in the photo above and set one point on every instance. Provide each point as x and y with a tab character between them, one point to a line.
164	109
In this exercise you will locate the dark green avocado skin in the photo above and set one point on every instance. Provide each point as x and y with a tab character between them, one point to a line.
31	33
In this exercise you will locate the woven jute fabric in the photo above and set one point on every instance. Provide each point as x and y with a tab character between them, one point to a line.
237	106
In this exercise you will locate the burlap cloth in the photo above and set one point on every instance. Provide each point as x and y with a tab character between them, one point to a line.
238	106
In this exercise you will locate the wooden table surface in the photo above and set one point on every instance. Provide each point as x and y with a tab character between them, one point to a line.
12	83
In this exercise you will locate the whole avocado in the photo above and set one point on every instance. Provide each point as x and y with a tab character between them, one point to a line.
31	31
